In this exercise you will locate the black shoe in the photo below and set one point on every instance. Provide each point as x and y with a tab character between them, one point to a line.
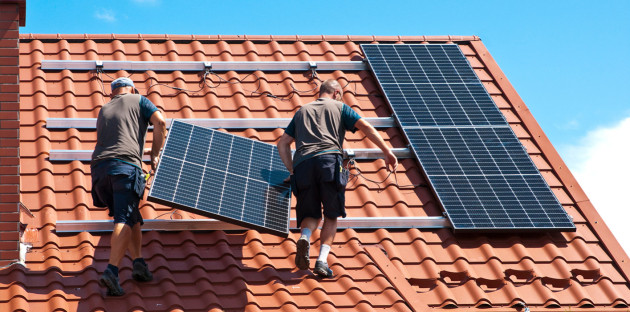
302	260
322	270
141	272
109	280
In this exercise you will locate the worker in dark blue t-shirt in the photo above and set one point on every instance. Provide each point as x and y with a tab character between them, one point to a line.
118	181
319	129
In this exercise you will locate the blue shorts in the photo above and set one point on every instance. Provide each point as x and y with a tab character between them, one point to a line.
320	182
118	186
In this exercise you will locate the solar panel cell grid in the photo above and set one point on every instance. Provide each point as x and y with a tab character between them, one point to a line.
223	176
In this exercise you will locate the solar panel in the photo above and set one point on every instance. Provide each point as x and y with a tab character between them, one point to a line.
223	176
479	170
431	85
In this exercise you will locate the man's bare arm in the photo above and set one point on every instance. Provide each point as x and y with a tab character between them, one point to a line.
159	132
372	135
284	149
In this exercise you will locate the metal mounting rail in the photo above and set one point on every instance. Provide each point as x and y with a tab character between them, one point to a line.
225	123
71	226
202	66
359	154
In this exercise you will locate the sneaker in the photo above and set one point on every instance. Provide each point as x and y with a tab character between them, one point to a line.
141	272
322	270
302	260
109	280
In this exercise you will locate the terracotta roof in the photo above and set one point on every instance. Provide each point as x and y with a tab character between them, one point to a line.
385	269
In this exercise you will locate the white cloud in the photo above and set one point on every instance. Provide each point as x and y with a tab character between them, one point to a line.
105	15
601	164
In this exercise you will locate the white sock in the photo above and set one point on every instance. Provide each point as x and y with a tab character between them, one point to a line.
306	232
323	253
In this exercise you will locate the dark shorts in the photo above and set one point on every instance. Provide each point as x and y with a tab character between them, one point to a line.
118	186
319	184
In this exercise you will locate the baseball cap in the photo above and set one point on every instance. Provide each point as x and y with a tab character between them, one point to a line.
122	82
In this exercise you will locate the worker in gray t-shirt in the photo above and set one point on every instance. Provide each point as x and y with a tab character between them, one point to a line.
118	181
317	178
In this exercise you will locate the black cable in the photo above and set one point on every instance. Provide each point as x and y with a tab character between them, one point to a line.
206	81
352	164
100	82
201	84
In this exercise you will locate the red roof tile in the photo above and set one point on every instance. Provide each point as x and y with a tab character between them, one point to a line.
385	269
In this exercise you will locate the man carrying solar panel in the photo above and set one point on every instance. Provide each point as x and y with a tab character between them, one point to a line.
117	178
317	178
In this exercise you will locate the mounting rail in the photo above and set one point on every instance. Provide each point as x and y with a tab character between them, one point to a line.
202	66
225	123
70	226
359	154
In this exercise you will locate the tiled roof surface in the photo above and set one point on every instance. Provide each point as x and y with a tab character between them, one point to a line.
385	269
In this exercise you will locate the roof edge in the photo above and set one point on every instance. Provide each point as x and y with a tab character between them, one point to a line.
307	38
595	221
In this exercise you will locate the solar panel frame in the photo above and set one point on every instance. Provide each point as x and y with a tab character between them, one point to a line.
222	175
477	131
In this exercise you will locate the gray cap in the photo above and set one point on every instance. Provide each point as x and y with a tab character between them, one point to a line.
122	82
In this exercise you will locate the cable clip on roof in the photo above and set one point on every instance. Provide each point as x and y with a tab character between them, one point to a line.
313	66
207	66
350	155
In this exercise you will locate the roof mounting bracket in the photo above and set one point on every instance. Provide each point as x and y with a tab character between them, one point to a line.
207	66
349	153
312	65
99	66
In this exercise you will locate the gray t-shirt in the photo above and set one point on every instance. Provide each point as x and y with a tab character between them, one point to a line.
121	129
320	127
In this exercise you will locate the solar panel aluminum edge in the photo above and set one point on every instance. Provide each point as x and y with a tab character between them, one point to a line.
223	176
453	171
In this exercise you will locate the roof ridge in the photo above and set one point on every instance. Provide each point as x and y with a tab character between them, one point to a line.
309	38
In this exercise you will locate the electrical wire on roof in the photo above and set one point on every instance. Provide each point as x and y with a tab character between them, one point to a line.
238	81
171	214
206	81
110	77
352	164
100	82
202	85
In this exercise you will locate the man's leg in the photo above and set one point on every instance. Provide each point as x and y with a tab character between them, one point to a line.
119	243
141	271
310	224
135	244
308	210
329	229
302	258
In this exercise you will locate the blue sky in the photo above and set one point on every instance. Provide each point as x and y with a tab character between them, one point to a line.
568	60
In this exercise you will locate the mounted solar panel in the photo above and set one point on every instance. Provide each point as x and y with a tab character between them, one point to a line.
479	170
223	176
